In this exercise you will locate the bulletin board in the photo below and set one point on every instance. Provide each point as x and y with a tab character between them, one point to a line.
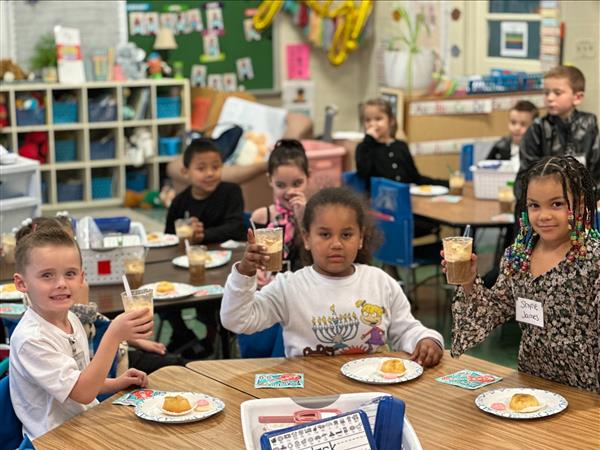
218	49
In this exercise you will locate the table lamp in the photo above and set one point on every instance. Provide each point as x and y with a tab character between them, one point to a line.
165	41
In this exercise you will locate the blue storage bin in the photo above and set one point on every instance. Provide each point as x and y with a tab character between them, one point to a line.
26	117
102	110
101	187
70	191
169	146
168	107
118	224
102	149
44	192
64	112
65	150
136	180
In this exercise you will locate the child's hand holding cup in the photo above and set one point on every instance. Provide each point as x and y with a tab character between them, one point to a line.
261	250
139	299
184	230
457	260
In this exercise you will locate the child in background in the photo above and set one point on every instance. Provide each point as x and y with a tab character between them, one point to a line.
564	130
51	376
554	266
217	211
337	305
287	173
148	355
380	154
520	116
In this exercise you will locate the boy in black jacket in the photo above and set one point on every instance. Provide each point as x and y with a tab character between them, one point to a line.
520	117
216	208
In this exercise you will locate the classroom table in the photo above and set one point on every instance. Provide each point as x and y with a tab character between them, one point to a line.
443	416
116	426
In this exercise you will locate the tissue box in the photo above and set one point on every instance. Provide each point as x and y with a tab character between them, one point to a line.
106	265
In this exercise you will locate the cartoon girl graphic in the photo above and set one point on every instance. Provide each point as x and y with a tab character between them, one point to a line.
371	316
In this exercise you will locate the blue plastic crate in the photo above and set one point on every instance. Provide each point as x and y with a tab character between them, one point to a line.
119	224
70	191
101	187
136	180
167	107
64	112
65	150
102	110
27	117
102	149
169	146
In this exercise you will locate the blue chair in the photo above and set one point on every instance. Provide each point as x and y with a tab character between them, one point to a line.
391	206
467	159
101	326
263	344
11	431
354	182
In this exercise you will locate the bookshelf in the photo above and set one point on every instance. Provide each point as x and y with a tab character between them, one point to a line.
87	128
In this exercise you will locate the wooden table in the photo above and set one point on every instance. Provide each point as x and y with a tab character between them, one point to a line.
443	416
468	211
116	426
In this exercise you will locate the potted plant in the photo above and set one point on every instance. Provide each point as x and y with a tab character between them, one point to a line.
44	59
406	66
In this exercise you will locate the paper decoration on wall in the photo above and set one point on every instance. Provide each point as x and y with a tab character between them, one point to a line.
298	96
198	76
249	32
214	17
152	23
169	20
181	26
195	20
245	71
137	24
513	39
215	81
551	35
348	20
430	108
68	52
229	82
298	61
212	50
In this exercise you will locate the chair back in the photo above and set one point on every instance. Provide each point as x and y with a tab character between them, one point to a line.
354	182
467	159
263	344
391	206
11	431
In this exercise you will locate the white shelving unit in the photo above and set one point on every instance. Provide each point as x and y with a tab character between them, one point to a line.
19	192
91	177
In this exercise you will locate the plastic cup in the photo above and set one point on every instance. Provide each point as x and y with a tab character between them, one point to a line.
184	230
272	240
9	242
140	299
134	271
457	183
506	197
457	253
197	256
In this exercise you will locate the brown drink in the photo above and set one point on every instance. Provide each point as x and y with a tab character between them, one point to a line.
134	271
197	256
184	230
506	197
457	183
457	253
272	240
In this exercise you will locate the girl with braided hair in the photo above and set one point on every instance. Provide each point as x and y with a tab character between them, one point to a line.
549	280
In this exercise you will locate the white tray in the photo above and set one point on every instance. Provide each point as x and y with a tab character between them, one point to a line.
251	409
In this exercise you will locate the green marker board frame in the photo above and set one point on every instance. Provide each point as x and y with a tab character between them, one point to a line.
233	44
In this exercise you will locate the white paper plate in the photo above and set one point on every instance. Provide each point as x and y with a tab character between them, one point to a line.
493	401
181	290
151	408
428	190
162	240
365	371
10	295
218	258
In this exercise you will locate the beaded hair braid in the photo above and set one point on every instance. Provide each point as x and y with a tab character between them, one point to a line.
574	178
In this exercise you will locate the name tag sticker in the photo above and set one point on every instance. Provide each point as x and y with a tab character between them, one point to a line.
530	311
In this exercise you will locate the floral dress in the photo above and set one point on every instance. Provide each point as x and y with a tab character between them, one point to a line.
567	348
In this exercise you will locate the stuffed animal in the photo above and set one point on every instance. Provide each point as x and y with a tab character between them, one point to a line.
140	146
7	66
253	149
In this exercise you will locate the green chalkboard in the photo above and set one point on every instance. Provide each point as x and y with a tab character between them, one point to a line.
192	45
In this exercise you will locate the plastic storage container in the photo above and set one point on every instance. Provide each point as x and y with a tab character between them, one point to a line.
101	187
167	107
486	181
136	180
325	164
64	112
119	224
102	109
28	117
102	149
44	186
65	150
70	191
169	146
